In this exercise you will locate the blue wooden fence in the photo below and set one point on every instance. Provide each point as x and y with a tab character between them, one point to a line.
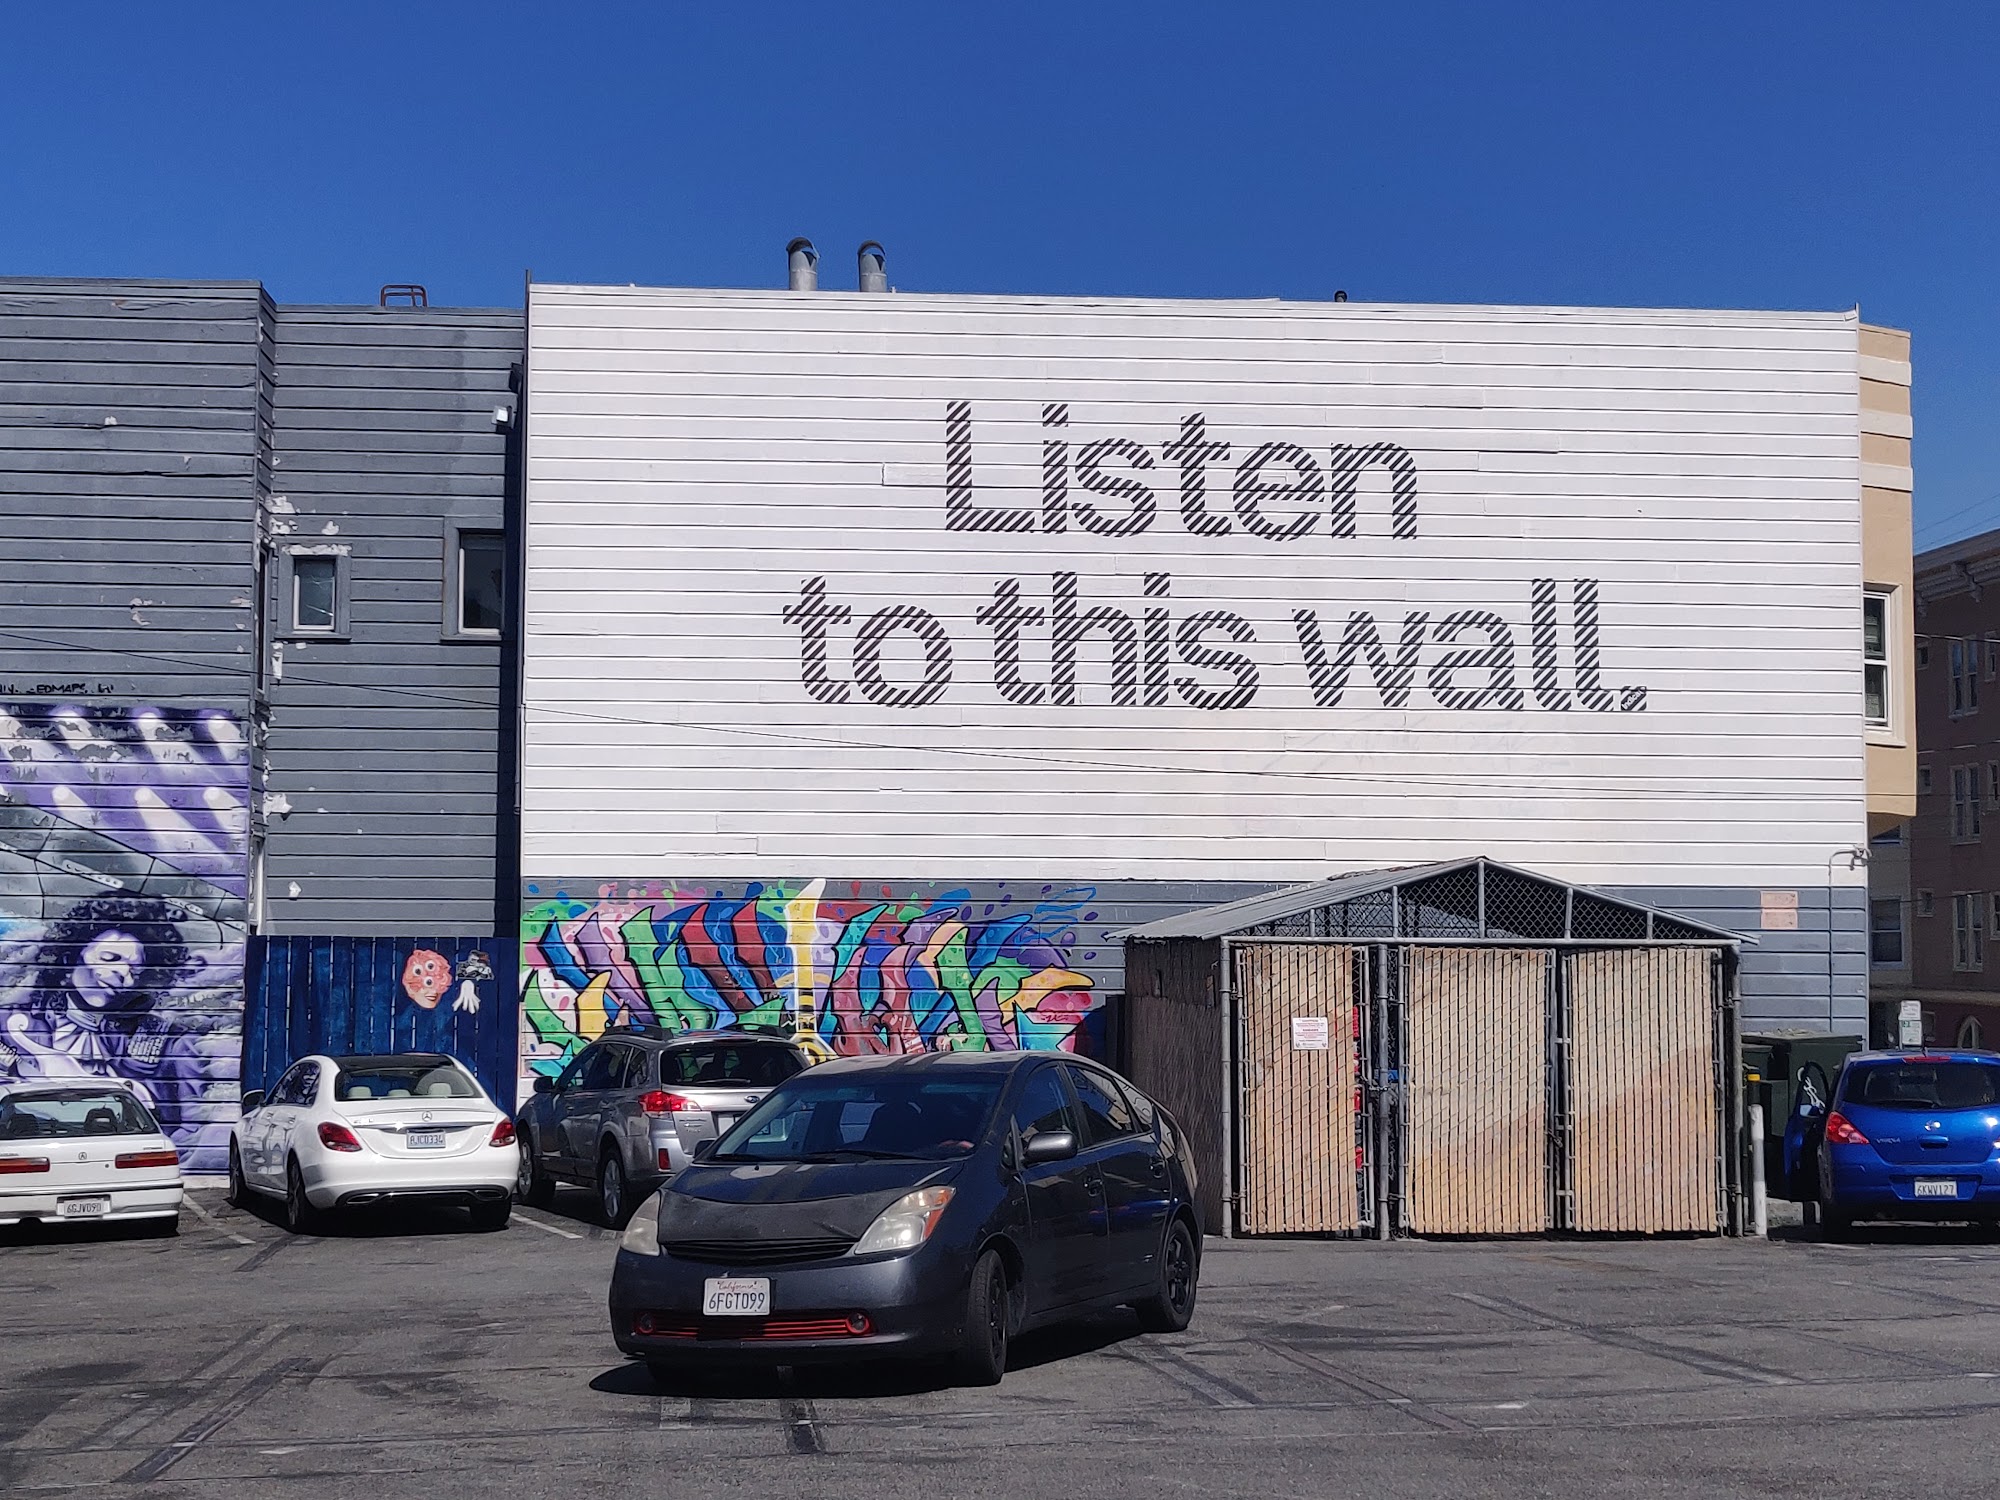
345	994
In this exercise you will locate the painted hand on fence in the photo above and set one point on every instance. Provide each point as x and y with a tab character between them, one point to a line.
468	999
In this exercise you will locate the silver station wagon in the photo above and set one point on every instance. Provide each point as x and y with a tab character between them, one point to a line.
625	1115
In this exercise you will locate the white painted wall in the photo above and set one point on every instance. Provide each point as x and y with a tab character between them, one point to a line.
693	456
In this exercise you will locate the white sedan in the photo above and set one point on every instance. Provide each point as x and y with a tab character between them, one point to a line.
85	1152
345	1132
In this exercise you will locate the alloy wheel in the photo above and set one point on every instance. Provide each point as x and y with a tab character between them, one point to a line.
1180	1271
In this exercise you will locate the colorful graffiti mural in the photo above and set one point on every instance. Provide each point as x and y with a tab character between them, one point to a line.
863	969
124	871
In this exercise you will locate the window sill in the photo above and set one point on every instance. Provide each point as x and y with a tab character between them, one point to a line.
470	637
307	637
1882	734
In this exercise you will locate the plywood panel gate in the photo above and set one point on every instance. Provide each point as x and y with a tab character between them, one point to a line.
1298	1125
1645	1149
1475	1089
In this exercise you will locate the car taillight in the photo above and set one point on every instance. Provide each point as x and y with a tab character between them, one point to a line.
337	1137
150	1159
12	1164
660	1102
1841	1132
503	1134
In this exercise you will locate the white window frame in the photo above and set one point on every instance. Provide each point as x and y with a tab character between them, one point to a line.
1966	800
1968	931
1902	958
1882	725
455	533
288	624
1964	691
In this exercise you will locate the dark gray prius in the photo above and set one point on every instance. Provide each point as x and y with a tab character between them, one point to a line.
923	1206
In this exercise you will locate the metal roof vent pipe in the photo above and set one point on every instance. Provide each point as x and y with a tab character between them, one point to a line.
874	267
802	265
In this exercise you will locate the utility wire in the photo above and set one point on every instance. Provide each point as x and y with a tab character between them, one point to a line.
1528	782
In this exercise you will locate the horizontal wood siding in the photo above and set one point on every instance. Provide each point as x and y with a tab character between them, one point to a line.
129	460
694	458
385	747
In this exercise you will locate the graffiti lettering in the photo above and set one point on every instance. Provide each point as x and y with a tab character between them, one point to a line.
863	974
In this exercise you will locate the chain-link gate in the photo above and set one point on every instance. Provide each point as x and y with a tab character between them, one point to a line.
1303	1030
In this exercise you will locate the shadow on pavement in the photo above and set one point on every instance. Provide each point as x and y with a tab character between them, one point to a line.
857	1381
1915	1234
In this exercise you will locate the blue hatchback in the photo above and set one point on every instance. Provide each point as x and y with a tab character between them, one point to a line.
1907	1135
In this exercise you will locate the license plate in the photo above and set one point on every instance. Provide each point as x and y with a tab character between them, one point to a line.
1933	1188
724	1122
736	1297
83	1208
426	1140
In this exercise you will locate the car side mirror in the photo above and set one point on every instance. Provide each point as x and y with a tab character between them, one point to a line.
253	1101
704	1148
1049	1145
544	1084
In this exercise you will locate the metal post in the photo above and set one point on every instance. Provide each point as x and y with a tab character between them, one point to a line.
1759	1207
1231	1081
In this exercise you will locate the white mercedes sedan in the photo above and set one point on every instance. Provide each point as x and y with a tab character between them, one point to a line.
85	1151
346	1132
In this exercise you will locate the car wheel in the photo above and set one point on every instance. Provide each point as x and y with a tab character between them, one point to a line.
300	1215
239	1189
532	1185
490	1216
982	1357
1169	1309
611	1194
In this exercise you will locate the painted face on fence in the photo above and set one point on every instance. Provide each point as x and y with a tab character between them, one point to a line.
425	977
107	969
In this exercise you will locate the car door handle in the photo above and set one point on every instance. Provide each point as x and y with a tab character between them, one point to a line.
1094	1187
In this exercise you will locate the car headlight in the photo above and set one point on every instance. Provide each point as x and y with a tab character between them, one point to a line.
642	1235
906	1223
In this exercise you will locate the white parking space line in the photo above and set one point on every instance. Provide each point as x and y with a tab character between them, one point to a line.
523	1217
189	1200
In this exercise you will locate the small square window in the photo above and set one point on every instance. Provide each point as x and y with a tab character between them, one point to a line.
312	593
1926	904
1923	781
475	584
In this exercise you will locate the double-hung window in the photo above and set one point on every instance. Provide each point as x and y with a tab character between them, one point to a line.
1965	800
1964	678
1968	931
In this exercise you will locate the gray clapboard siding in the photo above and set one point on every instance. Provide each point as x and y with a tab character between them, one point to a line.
384	746
129	442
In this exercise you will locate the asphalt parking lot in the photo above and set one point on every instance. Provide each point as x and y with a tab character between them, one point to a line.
412	1356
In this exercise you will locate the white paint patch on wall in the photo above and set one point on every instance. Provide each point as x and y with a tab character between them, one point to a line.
974	587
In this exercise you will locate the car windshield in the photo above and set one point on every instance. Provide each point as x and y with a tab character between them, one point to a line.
855	1117
397	1078
66	1112
1924	1084
756	1065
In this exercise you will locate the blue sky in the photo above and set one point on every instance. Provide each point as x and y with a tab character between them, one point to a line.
1787	155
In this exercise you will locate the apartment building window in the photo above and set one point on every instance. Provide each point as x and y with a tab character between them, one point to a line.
1964	678
1971	1035
1993	911
1923	653
1923	781
475	565
1885	933
1889	838
1968	931
1875	658
1993	783
1965	799
1926	906
1992	657
312	592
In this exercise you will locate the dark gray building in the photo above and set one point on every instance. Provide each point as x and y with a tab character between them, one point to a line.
254	638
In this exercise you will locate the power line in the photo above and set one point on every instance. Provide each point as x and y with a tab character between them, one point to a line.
1015	757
